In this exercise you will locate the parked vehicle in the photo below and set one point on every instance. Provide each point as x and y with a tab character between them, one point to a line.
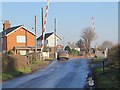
62	54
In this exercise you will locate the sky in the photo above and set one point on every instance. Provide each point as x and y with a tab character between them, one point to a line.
72	18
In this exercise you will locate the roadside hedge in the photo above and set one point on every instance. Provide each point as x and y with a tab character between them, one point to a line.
114	56
12	63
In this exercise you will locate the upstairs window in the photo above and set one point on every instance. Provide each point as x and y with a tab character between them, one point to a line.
21	39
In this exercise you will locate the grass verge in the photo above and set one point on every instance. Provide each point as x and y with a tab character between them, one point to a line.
108	78
105	79
25	70
96	60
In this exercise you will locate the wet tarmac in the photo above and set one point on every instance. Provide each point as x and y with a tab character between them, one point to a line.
72	73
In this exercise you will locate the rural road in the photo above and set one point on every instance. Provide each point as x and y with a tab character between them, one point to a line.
59	74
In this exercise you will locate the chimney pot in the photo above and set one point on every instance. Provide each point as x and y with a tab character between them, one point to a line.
6	25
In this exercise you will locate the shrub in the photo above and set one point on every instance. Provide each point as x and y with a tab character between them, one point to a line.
114	56
33	57
9	52
12	63
74	52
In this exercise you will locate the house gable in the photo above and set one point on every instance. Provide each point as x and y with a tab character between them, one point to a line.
48	39
10	30
47	35
51	40
14	29
20	37
52	37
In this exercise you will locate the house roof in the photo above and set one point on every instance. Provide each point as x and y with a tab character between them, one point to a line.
46	36
7	31
12	29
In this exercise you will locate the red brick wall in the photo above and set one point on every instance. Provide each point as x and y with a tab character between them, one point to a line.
12	39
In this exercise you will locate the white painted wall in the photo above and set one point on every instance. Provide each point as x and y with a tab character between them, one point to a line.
49	42
77	49
46	55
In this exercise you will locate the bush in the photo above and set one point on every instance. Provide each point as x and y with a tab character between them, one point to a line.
74	52
12	63
33	57
114	56
9	52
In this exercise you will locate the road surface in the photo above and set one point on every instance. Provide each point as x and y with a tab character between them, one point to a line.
59	74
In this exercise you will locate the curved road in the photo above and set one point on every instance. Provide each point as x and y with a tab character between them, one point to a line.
59	74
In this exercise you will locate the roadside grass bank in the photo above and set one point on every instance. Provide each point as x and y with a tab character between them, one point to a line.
96	60
25	70
106	79
15	65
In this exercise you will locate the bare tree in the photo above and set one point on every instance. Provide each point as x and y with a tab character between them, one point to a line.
105	44
80	43
88	35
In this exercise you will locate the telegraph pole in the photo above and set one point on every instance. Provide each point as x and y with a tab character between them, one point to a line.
35	41
55	38
35	37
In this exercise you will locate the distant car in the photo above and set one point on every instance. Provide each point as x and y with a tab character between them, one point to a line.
62	54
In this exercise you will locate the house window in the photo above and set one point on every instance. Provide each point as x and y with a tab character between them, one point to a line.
21	39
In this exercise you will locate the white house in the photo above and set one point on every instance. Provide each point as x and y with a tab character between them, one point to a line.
49	39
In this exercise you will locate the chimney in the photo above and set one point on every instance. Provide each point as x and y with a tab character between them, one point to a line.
6	25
